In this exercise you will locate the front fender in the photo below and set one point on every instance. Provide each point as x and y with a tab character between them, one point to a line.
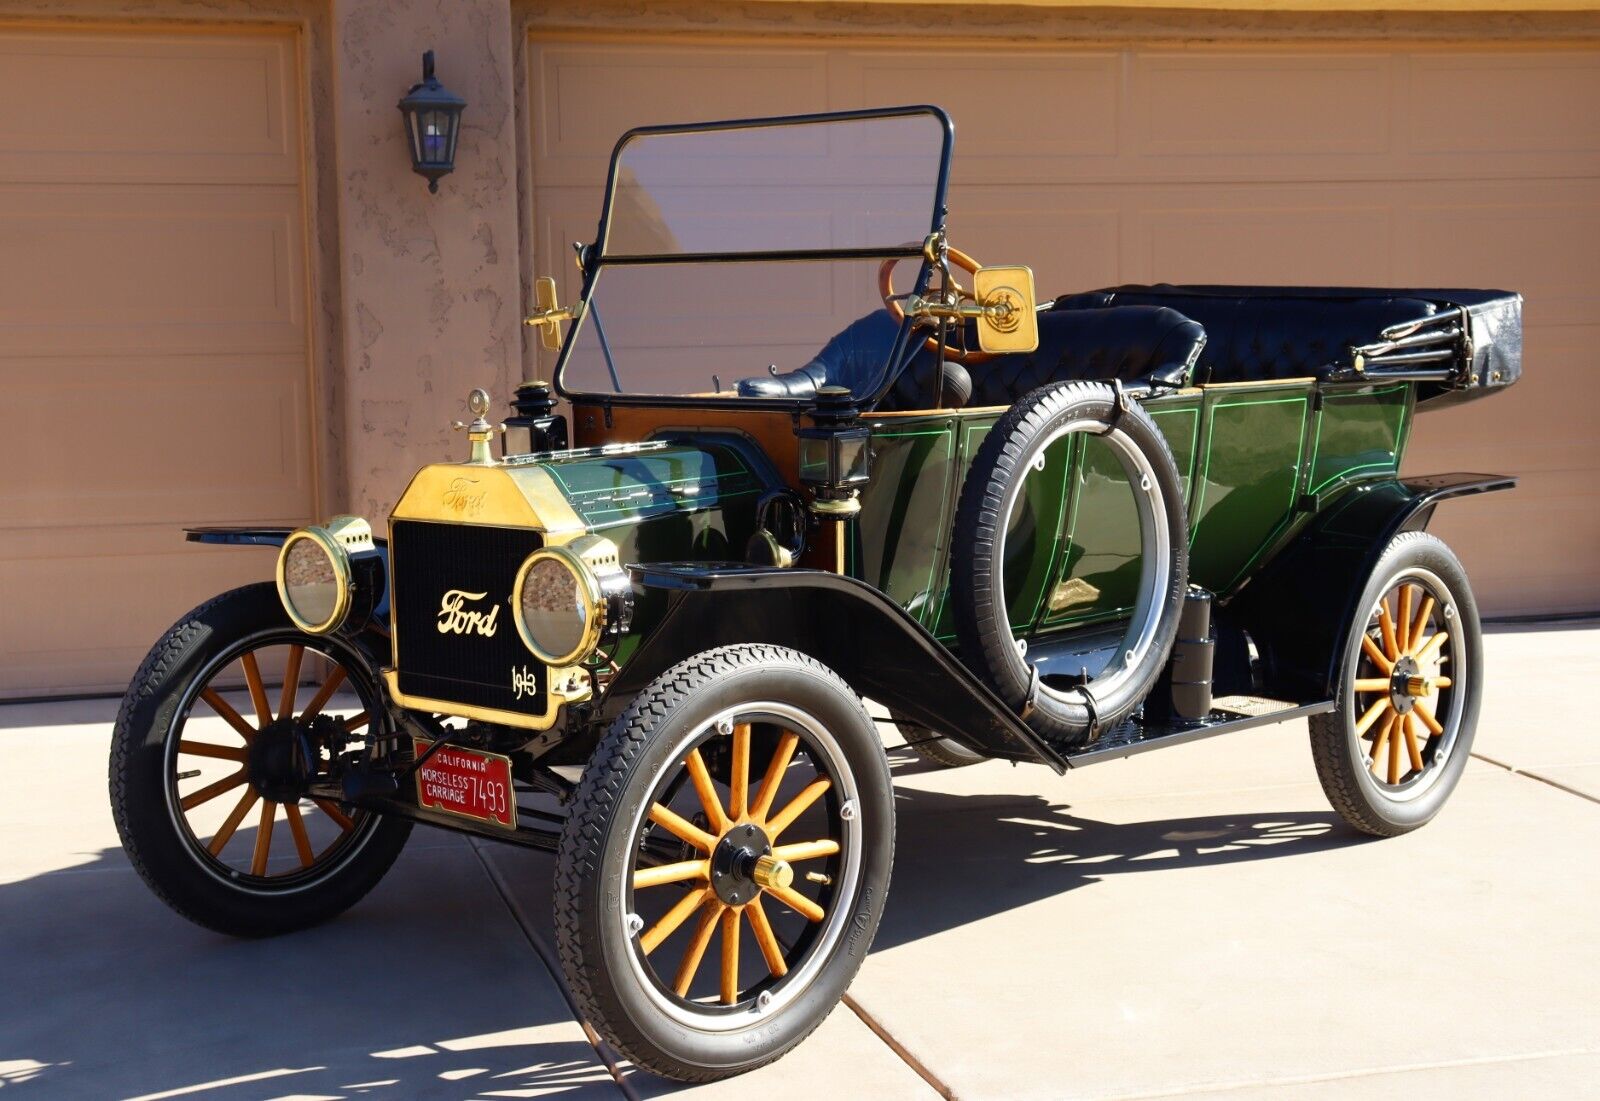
274	537
852	628
1299	610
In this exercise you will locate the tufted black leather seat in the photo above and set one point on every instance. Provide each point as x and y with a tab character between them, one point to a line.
1130	343
1262	333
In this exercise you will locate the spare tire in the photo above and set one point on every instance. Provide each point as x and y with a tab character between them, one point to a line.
1068	711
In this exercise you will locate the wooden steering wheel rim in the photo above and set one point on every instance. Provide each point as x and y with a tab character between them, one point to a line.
897	311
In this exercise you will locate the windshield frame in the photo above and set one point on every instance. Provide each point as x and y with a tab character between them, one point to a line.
592	259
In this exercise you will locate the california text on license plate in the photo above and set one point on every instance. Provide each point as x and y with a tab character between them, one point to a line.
467	782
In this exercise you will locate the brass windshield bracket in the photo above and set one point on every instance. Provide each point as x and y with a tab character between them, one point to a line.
550	314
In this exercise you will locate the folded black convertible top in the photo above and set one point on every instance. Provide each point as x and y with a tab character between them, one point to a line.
1460	343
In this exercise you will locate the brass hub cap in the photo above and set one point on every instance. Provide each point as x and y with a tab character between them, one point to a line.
1399	684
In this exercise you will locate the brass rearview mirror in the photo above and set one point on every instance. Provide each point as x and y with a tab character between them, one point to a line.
1007	322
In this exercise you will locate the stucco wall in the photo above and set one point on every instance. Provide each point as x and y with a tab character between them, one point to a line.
430	282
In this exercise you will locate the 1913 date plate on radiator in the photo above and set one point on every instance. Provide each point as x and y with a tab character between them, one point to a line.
467	782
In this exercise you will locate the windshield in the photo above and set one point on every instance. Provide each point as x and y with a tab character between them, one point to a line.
730	253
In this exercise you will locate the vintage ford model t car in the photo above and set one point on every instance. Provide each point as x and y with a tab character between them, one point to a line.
639	632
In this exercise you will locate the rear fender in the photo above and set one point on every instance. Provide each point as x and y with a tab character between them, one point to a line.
846	624
1299	610
274	537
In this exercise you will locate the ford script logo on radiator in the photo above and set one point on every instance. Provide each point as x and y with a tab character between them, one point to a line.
455	618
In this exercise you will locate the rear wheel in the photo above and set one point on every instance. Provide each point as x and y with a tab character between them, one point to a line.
1393	751
724	865
210	763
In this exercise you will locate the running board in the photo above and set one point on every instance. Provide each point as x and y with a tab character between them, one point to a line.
1228	713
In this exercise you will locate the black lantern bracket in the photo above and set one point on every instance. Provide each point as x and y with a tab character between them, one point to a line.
433	125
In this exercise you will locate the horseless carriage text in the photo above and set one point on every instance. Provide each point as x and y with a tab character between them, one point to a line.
1056	533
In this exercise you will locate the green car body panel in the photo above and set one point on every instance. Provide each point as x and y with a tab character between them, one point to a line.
1253	459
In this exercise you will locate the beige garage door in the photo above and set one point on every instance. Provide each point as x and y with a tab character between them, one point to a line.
153	345
1361	165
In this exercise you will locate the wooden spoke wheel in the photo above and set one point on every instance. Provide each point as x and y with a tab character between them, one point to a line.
231	718
725	862
252	768
1393	750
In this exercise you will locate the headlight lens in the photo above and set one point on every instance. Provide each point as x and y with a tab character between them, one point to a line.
314	573
557	601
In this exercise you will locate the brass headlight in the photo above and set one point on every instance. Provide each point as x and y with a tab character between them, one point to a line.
315	579
565	598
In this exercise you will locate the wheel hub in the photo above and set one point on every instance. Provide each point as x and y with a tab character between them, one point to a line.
1406	684
742	864
279	761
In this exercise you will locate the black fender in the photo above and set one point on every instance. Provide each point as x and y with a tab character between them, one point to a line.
880	650
1299	609
274	537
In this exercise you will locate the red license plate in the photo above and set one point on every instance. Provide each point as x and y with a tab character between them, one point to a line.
467	782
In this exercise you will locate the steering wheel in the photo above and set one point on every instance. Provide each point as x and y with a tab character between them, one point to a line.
898	312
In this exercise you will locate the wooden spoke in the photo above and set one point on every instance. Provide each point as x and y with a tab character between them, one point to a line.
211	791
356	722
698	943
258	692
340	818
1370	648
1432	647
1420	624
225	709
225	833
730	954
661	930
206	749
774	777
1413	750
1383	740
739	777
1394	751
1391	645
701	776
291	680
1402	621
269	815
297	827
806	850
766	939
1423	712
797	902
681	827
1372	684
671	873
1370	716
1442	682
324	694
797	806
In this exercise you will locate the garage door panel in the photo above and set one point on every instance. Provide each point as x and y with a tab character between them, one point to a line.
1258	236
1540	239
1191	104
1071	245
585	97
1505	102
181	269
201	440
82	622
108	107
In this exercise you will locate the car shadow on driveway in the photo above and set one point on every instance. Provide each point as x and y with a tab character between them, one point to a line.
963	858
425	990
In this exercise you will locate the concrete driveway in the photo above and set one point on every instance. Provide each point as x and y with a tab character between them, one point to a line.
1193	922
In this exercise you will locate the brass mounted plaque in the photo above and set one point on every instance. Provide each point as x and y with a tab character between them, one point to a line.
1008	323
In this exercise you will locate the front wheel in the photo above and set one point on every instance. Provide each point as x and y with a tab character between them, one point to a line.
742	801
209	784
1391	753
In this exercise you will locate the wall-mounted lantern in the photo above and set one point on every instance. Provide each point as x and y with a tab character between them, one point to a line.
433	122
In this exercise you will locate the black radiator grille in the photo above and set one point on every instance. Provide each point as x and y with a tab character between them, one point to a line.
439	567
